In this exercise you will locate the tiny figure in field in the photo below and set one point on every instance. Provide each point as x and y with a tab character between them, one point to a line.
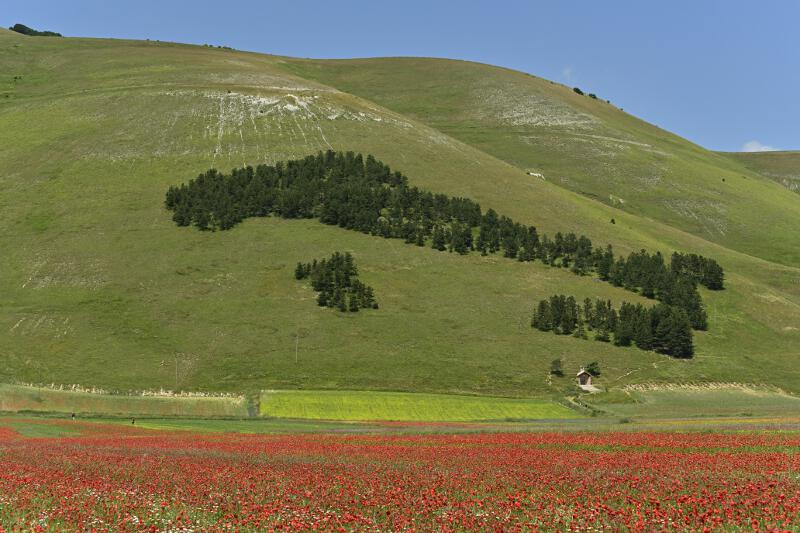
73	416
133	421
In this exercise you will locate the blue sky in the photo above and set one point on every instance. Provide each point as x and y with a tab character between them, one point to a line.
724	74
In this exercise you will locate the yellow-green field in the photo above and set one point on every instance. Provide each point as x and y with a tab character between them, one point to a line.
358	405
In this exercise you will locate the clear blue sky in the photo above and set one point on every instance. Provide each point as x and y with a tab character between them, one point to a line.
721	73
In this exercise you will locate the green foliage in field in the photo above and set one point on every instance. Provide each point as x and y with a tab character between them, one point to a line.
357	405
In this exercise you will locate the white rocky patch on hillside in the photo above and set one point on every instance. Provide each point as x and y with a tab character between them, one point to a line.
711	215
519	106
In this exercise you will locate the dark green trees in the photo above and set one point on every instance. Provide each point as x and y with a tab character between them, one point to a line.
663	328
364	194
336	280
559	314
593	368
25	30
704	271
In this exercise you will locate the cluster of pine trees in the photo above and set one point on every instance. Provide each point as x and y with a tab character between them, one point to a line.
703	270
662	328
336	280
649	275
25	30
361	194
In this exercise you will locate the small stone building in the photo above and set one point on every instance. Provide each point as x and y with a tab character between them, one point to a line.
584	378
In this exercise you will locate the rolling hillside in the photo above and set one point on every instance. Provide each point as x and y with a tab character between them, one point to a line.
583	144
782	167
99	287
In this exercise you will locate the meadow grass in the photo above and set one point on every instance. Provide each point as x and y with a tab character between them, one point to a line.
782	167
17	398
98	286
37	427
722	400
249	426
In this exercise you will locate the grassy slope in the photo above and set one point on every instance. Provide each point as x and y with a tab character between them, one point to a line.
719	400
782	167
585	145
99	287
16	398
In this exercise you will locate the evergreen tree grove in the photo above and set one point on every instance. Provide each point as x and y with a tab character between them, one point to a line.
363	194
336	280
662	328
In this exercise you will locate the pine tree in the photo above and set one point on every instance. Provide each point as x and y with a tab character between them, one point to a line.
569	316
679	343
626	325
643	333
580	331
353	304
322	299
588	312
439	242
713	276
663	327
299	271
543	318
420	240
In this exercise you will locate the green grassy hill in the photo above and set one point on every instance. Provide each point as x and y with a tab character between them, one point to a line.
99	287
782	167
585	145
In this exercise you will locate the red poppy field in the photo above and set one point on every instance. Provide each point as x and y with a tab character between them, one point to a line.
116	478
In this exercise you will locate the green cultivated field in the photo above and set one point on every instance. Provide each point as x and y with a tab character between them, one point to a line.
15	398
98	287
354	405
